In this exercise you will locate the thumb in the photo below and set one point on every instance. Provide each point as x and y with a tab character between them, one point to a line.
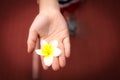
32	39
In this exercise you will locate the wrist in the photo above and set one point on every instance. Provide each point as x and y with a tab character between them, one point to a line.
48	5
50	13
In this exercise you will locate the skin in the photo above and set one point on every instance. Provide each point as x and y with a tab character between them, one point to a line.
50	25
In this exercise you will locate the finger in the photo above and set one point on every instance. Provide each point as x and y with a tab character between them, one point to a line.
55	64
32	38
62	60
33	34
43	65
66	43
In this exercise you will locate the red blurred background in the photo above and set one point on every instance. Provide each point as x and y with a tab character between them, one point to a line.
95	49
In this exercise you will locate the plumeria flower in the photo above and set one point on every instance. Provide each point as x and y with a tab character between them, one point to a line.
48	51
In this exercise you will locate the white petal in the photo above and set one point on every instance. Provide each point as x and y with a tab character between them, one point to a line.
57	52
54	43
48	61
38	51
43	42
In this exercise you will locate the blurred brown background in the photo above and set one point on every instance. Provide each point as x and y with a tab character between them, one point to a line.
95	48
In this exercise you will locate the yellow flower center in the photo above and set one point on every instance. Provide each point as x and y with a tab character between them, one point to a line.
47	50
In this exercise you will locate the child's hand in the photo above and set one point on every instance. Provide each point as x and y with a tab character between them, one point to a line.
50	26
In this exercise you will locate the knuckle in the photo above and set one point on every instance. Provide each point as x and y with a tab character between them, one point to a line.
32	30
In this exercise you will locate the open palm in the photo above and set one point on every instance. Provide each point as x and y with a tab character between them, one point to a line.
50	27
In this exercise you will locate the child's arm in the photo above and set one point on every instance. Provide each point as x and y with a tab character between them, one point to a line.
50	25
